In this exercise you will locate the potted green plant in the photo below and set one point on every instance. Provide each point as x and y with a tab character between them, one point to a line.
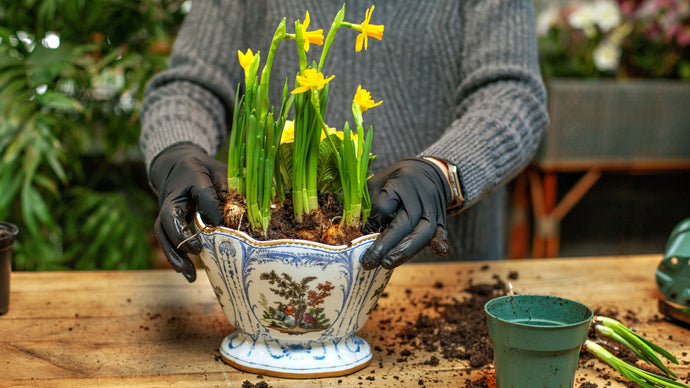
296	300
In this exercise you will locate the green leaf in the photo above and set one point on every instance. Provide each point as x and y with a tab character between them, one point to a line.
328	173
285	160
11	74
12	88
54	100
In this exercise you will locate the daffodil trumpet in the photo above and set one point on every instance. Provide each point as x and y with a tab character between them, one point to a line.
366	30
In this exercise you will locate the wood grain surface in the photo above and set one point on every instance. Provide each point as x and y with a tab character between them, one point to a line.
153	329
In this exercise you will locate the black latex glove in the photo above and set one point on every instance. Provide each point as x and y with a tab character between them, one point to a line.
409	199
186	179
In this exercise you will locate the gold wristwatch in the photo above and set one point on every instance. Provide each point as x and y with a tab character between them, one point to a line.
456	188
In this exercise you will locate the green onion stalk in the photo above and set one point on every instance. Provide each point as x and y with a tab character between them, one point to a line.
353	161
310	107
353	166
243	107
262	134
642	347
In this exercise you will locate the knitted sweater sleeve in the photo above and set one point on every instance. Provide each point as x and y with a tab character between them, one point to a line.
190	102
501	100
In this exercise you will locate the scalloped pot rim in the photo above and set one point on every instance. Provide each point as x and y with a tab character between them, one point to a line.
201	226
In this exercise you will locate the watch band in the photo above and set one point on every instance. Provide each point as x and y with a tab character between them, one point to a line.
456	188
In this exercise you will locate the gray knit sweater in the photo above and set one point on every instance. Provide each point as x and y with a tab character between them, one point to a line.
459	81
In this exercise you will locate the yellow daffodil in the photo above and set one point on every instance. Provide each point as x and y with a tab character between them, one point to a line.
340	134
246	60
311	79
315	36
332	131
363	99
288	135
367	30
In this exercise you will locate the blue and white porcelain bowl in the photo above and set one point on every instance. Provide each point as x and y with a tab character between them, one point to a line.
296	304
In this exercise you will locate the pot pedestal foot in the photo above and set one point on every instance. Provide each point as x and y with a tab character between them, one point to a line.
299	360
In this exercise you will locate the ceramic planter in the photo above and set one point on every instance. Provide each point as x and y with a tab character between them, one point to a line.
296	304
7	235
536	339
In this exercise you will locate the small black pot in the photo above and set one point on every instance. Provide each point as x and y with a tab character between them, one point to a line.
7	235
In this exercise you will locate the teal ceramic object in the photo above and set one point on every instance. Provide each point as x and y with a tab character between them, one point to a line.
673	273
536	339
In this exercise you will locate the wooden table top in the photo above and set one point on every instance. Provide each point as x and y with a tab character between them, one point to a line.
152	328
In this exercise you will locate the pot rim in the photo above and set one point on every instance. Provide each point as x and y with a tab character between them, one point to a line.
520	296
6	242
206	229
11	228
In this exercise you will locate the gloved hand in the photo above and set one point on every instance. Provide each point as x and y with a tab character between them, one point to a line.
409	199
185	178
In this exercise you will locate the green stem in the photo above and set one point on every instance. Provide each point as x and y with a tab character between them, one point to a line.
637	375
634	341
300	46
337	21
278	36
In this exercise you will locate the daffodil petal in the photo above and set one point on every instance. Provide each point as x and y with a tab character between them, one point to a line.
360	42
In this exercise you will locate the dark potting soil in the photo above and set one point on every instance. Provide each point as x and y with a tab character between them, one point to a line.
284	226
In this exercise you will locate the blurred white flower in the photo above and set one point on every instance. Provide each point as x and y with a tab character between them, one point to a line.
583	18
547	18
186	7
607	15
51	40
607	56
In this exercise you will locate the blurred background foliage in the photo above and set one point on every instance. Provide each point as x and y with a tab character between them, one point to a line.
72	78
614	38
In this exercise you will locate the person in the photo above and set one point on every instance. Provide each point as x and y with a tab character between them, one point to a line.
461	90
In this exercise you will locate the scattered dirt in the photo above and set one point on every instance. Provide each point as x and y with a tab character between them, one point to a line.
260	384
487	381
458	329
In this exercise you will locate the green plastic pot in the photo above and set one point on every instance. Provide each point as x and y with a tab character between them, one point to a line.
536	339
